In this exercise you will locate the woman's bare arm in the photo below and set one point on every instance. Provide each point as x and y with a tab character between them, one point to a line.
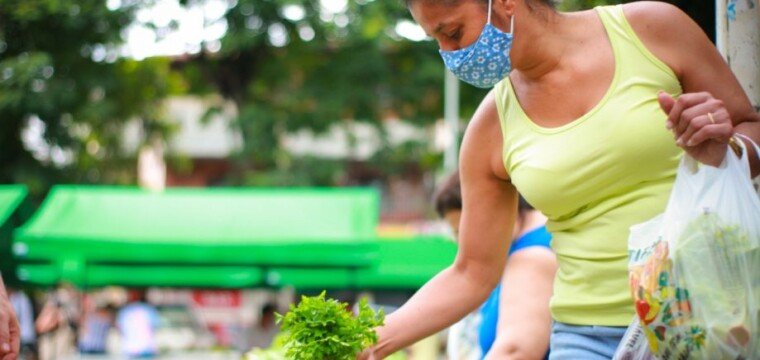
489	210
708	84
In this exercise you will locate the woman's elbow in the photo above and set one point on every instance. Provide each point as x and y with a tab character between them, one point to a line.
514	350
486	274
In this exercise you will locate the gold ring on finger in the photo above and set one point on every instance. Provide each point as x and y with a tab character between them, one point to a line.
710	116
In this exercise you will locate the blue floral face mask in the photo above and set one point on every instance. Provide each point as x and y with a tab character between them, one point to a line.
486	61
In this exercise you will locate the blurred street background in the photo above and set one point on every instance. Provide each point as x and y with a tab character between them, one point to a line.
180	170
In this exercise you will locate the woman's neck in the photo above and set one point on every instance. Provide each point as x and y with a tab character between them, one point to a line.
543	40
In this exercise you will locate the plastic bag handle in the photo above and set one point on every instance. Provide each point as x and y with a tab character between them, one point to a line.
743	156
749	139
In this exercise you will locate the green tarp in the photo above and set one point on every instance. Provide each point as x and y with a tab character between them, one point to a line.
77	226
11	199
146	275
229	238
402	264
406	263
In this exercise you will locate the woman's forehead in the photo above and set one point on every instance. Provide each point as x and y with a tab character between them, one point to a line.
434	15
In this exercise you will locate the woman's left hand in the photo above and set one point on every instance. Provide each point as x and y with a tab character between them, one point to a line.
701	124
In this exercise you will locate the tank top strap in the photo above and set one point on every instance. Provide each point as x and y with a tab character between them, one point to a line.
630	53
501	94
510	121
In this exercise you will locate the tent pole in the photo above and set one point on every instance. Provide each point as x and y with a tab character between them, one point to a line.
451	116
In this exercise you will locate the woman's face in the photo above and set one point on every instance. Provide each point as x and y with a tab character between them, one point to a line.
453	26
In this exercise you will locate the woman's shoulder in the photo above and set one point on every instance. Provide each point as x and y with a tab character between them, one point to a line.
483	137
657	21
663	28
652	12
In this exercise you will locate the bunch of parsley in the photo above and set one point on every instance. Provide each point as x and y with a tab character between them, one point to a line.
325	329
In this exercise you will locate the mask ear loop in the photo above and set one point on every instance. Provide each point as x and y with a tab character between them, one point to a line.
511	18
489	10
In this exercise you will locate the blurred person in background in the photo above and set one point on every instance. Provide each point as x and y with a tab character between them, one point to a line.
25	315
9	328
137	322
57	323
264	332
516	317
96	325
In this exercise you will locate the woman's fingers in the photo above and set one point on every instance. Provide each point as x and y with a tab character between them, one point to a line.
5	320
684	102
693	113
710	117
720	132
666	103
684	139
15	334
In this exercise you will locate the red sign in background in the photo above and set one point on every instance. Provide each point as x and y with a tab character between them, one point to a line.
217	298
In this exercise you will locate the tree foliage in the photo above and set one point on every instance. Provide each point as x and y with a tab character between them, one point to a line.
62	74
60	70
331	67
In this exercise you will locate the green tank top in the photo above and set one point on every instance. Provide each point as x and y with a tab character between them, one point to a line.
596	176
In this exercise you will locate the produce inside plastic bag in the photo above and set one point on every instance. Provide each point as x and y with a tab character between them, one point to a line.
694	271
634	345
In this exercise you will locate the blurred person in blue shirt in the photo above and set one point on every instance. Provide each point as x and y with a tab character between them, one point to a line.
137	323
515	321
96	325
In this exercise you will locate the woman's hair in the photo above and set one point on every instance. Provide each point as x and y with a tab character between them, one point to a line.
449	195
531	3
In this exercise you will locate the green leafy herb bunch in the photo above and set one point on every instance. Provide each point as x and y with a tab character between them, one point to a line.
325	329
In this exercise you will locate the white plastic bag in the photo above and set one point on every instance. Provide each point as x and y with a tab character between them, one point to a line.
634	345
694	270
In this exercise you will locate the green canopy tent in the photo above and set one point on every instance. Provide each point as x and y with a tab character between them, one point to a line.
93	236
137	275
401	264
13	211
407	264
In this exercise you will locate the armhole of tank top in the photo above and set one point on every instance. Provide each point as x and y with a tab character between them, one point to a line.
618	14
501	94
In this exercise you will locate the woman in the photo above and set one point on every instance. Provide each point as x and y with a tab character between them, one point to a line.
515	317
582	129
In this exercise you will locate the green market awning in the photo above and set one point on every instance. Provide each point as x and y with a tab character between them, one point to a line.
406	263
233	277
400	264
11	199
78	227
223	238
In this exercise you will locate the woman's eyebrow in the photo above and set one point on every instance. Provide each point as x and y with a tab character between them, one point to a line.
440	27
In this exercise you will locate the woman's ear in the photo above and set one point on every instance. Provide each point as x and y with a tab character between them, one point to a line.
505	8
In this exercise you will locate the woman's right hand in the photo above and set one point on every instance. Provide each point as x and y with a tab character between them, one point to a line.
367	355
